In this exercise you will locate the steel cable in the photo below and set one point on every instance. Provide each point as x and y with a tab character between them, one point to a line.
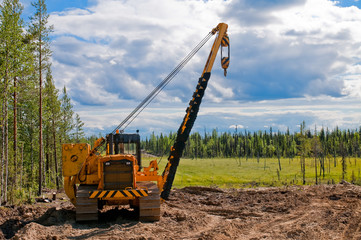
134	114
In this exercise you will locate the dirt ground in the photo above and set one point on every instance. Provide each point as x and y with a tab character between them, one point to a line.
307	212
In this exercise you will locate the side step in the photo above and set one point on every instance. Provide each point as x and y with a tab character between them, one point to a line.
149	206
86	208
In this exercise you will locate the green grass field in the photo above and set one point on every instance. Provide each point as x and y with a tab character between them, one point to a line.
231	172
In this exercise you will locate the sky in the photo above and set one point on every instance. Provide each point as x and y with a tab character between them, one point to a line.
291	61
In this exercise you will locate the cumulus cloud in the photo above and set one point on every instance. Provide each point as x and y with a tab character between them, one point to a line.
305	52
258	13
112	53
126	48
276	59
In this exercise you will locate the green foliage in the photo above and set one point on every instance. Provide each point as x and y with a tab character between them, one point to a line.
39	31
24	59
264	158
261	144
67	123
78	129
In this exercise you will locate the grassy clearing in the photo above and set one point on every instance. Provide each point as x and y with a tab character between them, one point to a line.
231	172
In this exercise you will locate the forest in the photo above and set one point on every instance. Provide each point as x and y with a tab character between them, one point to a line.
35	118
246	144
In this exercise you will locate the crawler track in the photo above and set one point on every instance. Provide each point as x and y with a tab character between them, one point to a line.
86	208
149	206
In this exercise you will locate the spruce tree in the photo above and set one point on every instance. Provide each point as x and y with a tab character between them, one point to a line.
79	131
52	119
66	122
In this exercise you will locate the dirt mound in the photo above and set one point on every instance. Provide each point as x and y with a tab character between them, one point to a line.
307	212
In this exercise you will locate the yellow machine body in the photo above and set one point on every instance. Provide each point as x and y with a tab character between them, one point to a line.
79	167
90	179
73	157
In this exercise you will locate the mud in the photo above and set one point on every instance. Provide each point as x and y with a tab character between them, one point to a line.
307	212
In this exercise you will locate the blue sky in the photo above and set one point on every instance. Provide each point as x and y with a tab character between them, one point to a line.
61	5
291	60
349	3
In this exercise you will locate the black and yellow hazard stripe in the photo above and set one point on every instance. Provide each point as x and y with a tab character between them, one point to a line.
225	41
225	62
118	193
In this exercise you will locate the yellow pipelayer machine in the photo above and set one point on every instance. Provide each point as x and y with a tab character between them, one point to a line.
118	178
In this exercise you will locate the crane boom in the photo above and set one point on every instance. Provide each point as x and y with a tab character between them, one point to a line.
193	108
92	180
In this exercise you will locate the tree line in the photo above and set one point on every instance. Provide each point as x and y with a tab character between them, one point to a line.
35	118
325	147
260	144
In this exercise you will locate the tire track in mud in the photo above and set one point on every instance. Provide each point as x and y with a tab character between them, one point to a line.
181	210
307	212
352	231
209	229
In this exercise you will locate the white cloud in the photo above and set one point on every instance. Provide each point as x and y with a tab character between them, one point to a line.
240	126
280	114
127	47
115	52
353	86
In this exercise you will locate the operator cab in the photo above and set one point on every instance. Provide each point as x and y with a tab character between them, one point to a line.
122	143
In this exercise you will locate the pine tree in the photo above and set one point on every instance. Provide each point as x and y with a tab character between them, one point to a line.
40	32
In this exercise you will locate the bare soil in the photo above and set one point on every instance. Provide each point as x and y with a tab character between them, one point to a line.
307	212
